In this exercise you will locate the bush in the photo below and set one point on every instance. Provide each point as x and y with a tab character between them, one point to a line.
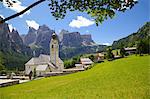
109	55
122	52
69	63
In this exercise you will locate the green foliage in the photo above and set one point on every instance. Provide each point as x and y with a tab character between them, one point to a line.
109	54
1	62
13	60
92	57
99	10
126	78
122	52
69	63
143	47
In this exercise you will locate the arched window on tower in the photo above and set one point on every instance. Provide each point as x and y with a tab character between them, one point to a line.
52	46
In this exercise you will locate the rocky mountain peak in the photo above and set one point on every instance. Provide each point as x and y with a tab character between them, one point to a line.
11	41
15	37
43	28
62	33
87	39
30	37
32	30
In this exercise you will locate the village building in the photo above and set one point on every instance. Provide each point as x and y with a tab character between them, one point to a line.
130	50
79	66
46	63
85	63
101	56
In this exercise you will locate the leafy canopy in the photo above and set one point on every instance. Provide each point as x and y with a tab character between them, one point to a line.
97	9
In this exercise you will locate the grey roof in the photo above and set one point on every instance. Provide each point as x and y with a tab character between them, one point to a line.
39	60
42	60
86	61
130	48
52	65
41	67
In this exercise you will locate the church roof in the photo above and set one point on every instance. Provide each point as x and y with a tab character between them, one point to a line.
41	67
39	60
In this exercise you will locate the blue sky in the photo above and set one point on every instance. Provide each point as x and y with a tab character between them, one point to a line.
120	26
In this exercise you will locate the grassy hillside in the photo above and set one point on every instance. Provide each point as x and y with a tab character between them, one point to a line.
120	79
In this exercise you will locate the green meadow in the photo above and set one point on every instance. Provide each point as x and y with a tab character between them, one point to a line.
125	78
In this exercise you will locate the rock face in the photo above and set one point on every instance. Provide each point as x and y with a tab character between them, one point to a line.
30	37
5	42
39	39
11	41
71	39
75	39
87	39
44	34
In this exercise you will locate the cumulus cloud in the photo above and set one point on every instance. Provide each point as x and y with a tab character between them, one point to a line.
11	27
106	44
32	23
81	22
17	7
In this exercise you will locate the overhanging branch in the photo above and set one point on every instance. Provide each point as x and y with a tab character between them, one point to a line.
22	12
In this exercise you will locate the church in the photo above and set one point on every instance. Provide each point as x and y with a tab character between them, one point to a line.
45	63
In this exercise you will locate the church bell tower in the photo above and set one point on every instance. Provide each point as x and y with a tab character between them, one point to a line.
54	50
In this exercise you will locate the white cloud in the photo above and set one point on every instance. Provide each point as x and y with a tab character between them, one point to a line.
87	31
32	23
81	22
106	44
17	7
11	27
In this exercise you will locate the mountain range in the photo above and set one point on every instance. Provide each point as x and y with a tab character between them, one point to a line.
71	43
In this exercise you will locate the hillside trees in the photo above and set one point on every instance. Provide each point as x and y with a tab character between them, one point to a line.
143	47
99	10
92	57
109	54
122	52
1	62
143	34
1	65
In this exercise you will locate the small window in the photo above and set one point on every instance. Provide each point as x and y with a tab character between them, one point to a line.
52	46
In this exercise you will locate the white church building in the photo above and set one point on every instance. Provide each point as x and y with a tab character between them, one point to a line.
45	63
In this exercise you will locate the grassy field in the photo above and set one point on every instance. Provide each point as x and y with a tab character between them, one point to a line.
125	78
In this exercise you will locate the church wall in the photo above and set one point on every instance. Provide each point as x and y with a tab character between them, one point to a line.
29	68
